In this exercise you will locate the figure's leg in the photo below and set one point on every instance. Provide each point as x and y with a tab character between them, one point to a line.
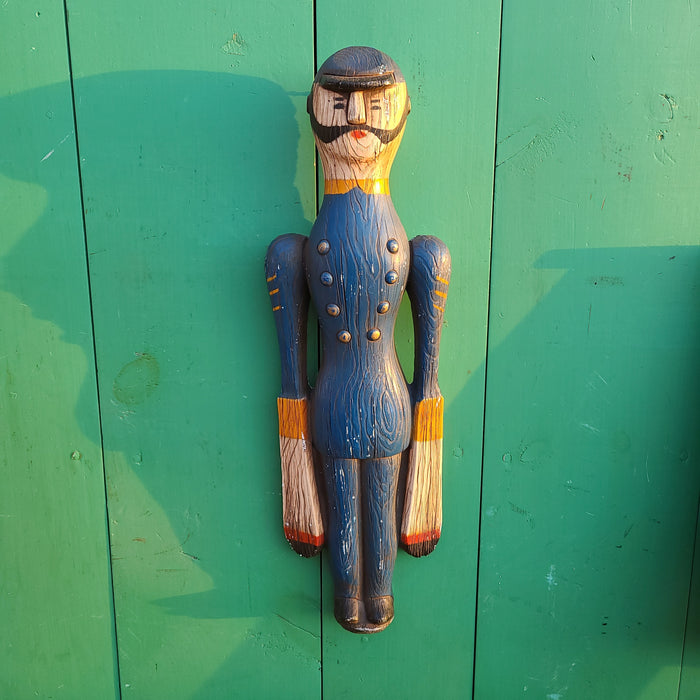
379	481
343	536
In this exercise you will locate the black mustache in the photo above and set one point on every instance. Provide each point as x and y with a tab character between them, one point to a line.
326	134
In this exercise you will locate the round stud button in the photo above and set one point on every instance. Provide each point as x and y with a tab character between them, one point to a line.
332	309
383	307
344	336
391	276
326	279
392	245
374	334
323	247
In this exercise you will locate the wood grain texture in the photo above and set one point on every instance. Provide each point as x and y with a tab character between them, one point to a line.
289	298
293	418
55	587
301	513
428	419
368	158
422	515
193	161
431	267
301	510
357	264
590	468
440	185
591	472
422	512
361	406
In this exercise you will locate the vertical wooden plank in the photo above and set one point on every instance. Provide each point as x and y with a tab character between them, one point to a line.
55	591
441	184
193	162
591	443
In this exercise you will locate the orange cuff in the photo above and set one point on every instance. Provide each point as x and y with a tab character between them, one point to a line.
293	417
427	420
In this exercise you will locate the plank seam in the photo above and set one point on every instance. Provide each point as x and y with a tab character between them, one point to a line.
94	347
318	343
486	356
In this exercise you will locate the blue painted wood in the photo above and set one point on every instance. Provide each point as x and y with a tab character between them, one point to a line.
361	406
290	304
357	263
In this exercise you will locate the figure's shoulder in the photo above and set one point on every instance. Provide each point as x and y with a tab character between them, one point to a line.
431	251
288	245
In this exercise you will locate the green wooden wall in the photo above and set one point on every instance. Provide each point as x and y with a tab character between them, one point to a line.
149	152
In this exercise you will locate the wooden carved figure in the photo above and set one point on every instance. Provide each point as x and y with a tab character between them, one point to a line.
361	415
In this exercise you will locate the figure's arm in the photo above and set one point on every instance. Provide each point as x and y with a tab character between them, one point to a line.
427	288
301	512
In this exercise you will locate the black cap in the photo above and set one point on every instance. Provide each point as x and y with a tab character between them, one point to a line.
358	68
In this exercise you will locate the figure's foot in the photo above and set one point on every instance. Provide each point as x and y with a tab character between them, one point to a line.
347	611
380	609
364	617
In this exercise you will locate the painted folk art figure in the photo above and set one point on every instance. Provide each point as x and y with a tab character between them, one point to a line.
361	415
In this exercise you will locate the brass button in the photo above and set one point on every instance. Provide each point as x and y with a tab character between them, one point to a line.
323	247
391	276
332	309
326	279
392	245
374	334
344	336
383	307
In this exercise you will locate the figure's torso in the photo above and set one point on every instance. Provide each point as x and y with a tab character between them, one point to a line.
357	261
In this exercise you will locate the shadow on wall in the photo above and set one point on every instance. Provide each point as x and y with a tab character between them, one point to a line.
591	480
186	178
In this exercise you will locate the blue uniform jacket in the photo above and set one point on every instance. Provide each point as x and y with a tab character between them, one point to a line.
357	261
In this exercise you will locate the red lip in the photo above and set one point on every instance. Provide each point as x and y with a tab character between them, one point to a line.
357	134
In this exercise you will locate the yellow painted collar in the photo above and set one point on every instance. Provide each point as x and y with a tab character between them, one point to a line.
367	186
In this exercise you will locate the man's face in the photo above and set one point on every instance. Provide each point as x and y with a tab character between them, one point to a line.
358	125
